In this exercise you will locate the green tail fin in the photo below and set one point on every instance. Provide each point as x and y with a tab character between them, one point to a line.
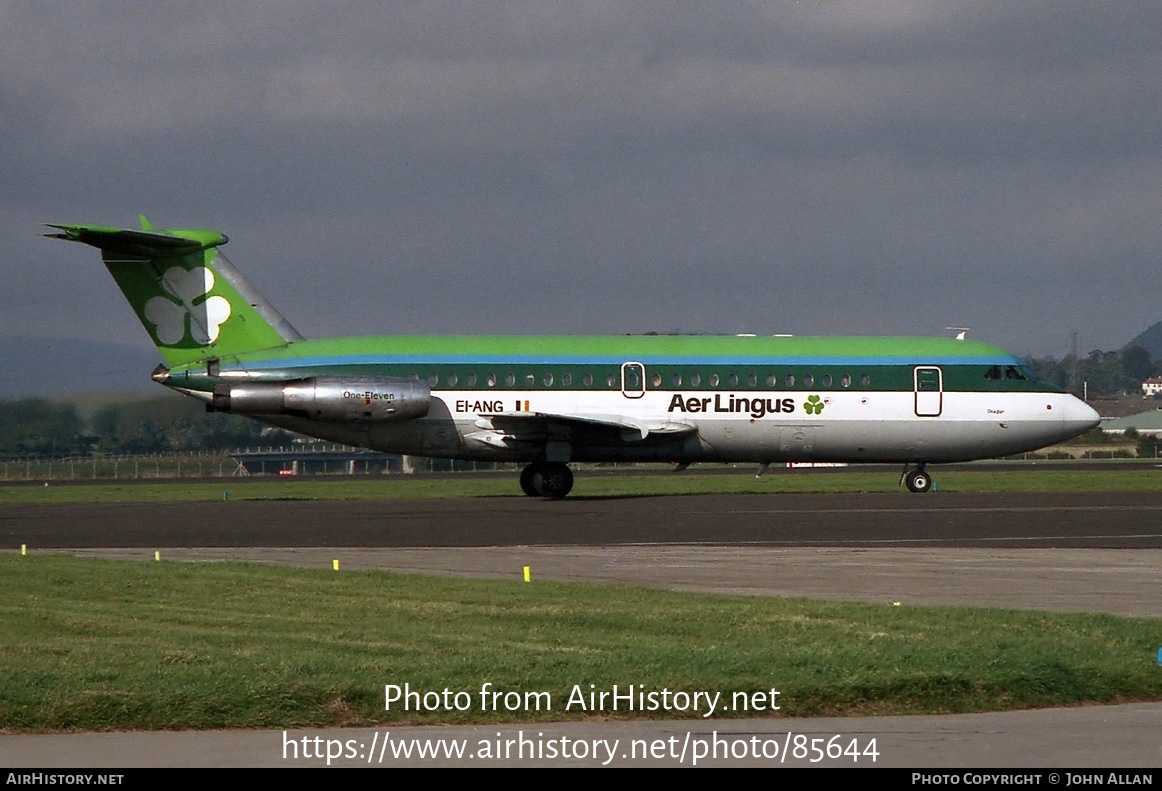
193	302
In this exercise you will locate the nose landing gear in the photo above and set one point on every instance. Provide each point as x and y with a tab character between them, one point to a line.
917	480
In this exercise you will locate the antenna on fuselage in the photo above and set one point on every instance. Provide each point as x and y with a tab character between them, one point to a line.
961	332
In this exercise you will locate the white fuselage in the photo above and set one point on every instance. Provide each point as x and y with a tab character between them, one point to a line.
720	425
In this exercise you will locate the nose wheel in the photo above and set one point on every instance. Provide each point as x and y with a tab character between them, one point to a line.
552	479
917	480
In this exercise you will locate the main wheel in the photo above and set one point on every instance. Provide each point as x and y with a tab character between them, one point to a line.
918	481
552	479
526	480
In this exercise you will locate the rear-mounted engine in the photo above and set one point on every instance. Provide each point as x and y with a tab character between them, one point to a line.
328	398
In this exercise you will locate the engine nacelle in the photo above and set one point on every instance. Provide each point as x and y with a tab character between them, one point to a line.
363	399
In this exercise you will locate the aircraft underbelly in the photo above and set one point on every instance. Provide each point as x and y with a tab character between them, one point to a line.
932	441
902	440
734	440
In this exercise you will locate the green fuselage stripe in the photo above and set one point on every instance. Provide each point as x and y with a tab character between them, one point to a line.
671	363
710	377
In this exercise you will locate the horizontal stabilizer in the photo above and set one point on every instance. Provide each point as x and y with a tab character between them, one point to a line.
144	244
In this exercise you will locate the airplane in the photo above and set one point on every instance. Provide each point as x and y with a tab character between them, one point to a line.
548	401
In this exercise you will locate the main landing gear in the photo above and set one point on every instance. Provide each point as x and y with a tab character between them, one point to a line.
552	479
917	480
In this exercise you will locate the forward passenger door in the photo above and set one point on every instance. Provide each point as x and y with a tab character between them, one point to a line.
929	388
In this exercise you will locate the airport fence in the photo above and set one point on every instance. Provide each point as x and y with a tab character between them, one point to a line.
334	460
280	461
120	467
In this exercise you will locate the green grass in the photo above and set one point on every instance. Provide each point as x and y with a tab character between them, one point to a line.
612	484
101	645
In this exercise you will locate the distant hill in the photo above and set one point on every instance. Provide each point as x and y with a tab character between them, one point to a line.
1150	340
58	367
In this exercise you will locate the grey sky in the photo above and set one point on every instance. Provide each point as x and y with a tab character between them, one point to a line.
533	167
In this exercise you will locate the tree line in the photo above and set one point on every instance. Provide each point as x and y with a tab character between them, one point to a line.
1101	374
37	427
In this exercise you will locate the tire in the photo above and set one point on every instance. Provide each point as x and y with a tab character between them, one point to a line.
526	480
553	480
919	481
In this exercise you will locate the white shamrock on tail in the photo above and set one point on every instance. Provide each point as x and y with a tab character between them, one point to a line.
170	318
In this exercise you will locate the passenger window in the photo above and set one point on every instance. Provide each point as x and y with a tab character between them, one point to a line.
433	379
453	380
846	380
808	380
656	380
714	380
610	380
510	379
472	380
752	380
695	380
548	380
827	380
790	380
864	380
530	380
566	380
770	380
492	380
677	380
733	380
587	380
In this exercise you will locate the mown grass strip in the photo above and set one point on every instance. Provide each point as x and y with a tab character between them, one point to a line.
103	645
591	485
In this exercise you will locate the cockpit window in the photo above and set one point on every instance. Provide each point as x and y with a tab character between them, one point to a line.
1012	373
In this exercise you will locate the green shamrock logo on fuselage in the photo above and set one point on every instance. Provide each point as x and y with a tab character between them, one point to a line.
813	405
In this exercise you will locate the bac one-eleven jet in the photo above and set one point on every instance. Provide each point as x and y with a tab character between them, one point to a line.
549	401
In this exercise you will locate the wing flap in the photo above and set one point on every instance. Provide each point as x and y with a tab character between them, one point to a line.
627	425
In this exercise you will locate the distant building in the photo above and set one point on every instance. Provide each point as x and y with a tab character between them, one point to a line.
1152	386
1144	423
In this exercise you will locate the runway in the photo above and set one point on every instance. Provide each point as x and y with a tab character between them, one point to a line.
1076	552
1097	520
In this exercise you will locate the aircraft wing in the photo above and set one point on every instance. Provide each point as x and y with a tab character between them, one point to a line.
547	421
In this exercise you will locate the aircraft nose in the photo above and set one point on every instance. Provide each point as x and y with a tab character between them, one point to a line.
1079	417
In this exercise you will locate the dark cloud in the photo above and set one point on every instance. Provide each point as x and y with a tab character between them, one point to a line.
819	167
